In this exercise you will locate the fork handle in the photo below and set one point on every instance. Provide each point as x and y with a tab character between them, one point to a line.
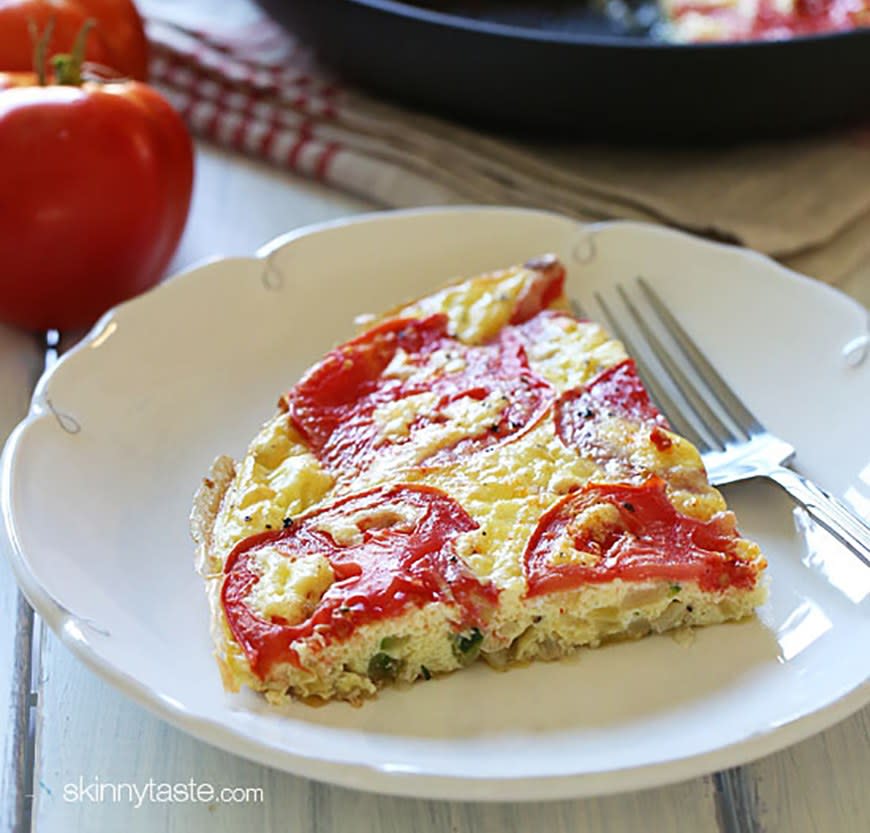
827	510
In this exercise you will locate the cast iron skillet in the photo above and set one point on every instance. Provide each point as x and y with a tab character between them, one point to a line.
560	68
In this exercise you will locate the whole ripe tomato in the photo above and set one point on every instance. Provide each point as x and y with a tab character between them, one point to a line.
117	40
94	194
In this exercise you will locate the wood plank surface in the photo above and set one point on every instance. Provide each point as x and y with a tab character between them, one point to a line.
20	361
819	786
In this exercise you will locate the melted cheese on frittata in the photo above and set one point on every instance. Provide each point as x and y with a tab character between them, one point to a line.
505	488
476	310
289	588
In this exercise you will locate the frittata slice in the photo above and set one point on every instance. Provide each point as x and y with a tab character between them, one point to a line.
477	474
742	20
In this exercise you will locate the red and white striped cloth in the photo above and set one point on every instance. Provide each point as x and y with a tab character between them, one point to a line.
244	83
256	90
250	92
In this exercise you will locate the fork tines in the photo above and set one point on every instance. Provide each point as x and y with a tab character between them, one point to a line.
685	386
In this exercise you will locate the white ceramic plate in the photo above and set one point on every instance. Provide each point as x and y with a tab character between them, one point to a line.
98	480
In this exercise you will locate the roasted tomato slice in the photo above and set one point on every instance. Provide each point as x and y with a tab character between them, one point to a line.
615	392
605	532
548	285
365	558
585	417
407	385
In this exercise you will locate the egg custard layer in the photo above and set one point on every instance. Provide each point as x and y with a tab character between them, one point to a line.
476	475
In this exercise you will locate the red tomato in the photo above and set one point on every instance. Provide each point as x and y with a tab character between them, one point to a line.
94	194
117	40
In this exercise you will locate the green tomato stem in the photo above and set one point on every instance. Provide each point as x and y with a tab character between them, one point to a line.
68	68
40	41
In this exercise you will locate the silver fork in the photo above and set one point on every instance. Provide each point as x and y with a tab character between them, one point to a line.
738	447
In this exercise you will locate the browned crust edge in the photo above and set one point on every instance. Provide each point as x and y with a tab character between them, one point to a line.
206	505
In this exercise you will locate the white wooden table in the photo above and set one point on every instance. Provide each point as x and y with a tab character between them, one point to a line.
83	730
